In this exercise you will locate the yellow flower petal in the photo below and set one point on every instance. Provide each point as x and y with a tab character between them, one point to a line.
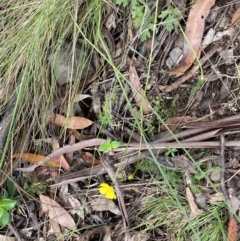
107	191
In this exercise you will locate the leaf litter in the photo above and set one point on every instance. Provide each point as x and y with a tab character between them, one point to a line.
174	136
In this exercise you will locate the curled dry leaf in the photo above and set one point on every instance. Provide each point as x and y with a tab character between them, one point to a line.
35	158
137	91
104	204
195	211
194	33
73	122
90	159
235	17
60	160
56	212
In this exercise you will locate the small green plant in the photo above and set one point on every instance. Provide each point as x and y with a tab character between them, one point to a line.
32	189
139	9
162	110
197	87
109	146
174	101
150	167
169	18
170	152
7	203
105	117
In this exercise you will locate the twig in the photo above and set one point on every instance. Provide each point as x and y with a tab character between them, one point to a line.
17	236
184	144
132	146
98	170
222	179
112	175
66	149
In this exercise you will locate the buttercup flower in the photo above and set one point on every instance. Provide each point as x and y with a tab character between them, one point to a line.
107	191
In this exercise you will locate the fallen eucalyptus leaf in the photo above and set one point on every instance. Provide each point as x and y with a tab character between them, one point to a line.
104	204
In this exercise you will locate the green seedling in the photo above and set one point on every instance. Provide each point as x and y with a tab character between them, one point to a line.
140	9
105	117
109	146
34	188
170	152
10	191
7	203
169	18
197	87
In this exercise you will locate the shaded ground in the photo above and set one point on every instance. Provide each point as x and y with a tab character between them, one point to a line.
119	106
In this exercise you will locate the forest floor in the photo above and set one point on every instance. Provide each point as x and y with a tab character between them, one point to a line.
119	120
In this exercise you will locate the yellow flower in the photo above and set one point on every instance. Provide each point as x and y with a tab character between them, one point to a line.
107	191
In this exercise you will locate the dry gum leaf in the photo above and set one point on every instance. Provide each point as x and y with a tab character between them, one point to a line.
56	212
35	158
194	33
138	93
235	17
104	204
73	122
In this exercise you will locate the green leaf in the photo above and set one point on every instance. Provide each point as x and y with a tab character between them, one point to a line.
145	35
4	193
10	188
4	217
175	12
103	147
109	145
115	144
123	2
163	14
8	204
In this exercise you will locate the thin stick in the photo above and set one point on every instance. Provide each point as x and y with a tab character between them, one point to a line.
65	149
222	179
132	146
112	175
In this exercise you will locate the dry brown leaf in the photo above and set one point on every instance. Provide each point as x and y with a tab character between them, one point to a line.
235	17
195	211
69	156
184	164
137	91
232	230
194	33
56	230
56	212
60	160
104	204
73	122
90	159
35	158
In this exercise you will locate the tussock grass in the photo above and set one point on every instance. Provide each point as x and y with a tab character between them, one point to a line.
30	32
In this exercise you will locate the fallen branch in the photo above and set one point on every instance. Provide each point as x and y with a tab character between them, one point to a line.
65	149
